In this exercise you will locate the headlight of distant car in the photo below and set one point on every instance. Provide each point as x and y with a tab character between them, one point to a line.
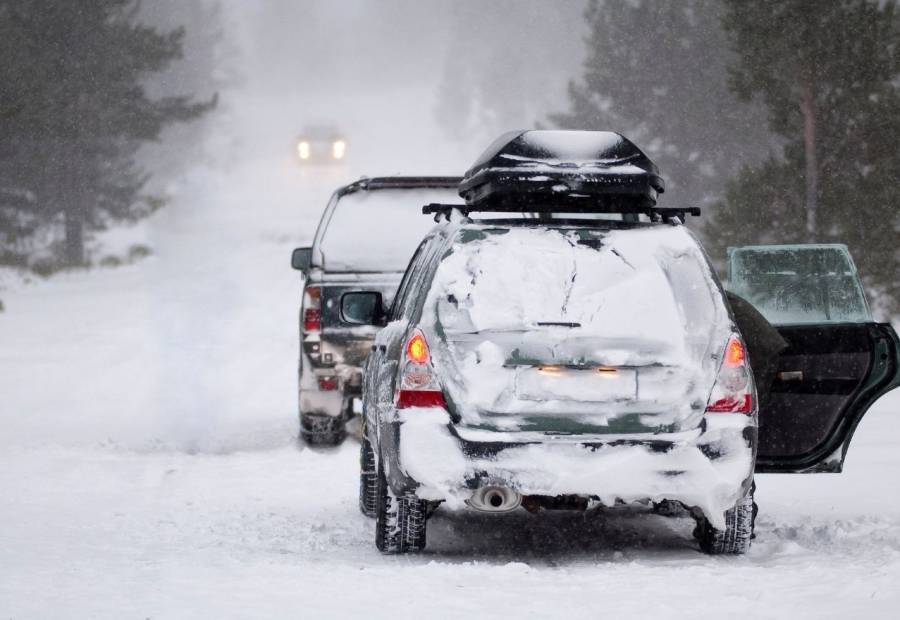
303	149
338	148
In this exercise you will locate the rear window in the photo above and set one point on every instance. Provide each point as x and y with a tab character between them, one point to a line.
379	230
799	284
648	289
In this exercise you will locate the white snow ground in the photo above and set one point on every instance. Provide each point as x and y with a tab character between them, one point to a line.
148	467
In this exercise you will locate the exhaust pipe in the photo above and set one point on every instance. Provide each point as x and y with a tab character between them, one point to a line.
495	499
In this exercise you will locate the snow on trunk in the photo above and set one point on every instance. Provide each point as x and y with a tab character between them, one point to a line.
619	330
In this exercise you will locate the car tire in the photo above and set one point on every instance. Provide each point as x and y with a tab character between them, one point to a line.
738	533
368	478
399	521
321	430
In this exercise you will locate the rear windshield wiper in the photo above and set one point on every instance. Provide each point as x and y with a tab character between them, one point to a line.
556	324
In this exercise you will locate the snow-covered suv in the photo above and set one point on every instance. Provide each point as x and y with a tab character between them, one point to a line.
565	362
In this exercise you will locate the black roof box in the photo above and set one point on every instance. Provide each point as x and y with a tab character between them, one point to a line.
599	171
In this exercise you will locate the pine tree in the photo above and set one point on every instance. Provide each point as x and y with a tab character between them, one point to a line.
74	72
657	72
828	74
208	66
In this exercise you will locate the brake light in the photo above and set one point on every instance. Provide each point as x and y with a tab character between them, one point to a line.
418	385
744	404
328	382
733	389
420	398
312	313
312	320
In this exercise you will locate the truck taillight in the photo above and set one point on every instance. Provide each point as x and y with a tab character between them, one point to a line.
418	385
733	389
312	320
328	382
312	312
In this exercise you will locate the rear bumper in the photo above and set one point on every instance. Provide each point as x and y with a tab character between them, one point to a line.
708	470
332	403
314	402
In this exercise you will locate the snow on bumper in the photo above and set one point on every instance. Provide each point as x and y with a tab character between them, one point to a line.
708	471
322	403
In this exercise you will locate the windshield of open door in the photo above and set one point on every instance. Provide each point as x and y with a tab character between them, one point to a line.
799	284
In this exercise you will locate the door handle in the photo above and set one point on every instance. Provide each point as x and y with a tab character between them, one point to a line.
790	375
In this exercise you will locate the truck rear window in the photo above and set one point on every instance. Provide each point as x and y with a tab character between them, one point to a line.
379	230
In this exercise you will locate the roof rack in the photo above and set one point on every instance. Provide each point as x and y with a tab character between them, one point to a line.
656	214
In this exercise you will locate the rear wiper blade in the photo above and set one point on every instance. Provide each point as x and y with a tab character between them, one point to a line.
557	324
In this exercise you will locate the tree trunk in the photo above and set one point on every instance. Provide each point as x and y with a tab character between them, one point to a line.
74	236
808	108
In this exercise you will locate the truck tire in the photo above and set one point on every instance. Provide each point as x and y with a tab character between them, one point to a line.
368	478
399	521
321	430
736	537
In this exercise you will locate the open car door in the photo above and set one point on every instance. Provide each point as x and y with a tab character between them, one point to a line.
838	360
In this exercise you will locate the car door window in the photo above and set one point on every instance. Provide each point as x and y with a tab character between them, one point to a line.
408	277
422	272
799	284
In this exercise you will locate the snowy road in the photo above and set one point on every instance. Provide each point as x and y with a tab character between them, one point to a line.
272	533
148	466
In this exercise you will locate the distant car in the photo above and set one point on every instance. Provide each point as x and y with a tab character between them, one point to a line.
321	144
563	362
365	238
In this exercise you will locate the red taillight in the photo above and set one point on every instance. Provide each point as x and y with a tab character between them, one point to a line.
312	320
328	383
743	404
312	313
418	385
420	398
417	349
733	389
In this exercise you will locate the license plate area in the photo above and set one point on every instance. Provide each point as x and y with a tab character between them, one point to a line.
576	384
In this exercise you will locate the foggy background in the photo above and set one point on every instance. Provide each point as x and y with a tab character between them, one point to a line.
779	119
417	87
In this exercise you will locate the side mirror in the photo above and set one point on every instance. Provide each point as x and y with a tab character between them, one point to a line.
363	308
301	258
